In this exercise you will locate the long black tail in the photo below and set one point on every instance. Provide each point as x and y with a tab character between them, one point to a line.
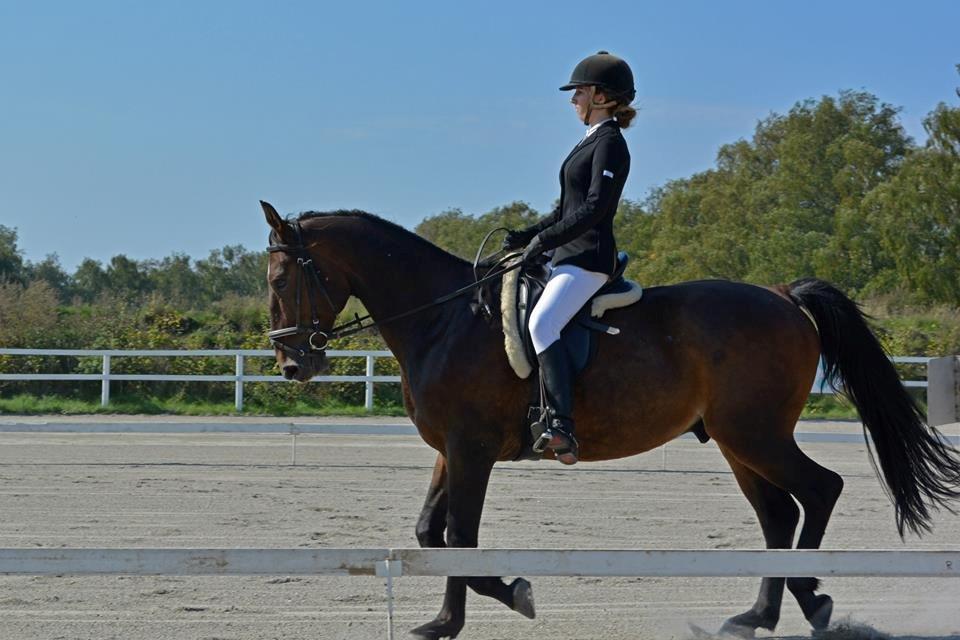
921	471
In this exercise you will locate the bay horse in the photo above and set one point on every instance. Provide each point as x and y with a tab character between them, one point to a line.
738	358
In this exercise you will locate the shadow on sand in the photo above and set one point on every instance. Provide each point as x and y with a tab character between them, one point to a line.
843	630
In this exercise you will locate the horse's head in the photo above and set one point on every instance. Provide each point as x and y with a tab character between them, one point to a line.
305	298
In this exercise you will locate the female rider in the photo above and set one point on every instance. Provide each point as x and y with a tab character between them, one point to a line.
579	232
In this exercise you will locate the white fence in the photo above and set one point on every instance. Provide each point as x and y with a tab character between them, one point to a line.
239	377
393	563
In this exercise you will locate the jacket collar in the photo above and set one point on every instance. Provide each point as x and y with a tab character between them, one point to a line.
604	129
596	127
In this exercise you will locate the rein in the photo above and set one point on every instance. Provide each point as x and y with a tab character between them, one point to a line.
314	284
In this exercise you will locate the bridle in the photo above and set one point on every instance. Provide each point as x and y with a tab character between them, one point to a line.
314	281
311	273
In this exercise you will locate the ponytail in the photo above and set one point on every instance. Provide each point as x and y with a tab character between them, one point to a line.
624	114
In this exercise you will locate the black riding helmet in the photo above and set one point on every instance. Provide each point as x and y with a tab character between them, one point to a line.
605	71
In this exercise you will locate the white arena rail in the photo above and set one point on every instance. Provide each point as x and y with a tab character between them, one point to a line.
393	563
239	377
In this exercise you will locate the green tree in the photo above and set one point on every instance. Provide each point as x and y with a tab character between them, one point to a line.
461	234
634	229
915	217
770	209
28	315
127	278
174	280
232	270
11	259
90	280
50	271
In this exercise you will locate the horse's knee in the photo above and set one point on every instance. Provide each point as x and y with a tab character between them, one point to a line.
428	534
457	537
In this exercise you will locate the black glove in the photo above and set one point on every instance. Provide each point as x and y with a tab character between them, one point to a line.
517	239
533	251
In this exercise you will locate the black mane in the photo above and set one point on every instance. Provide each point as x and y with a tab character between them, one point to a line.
377	220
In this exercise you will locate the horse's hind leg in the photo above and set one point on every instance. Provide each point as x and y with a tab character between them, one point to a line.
778	516
816	489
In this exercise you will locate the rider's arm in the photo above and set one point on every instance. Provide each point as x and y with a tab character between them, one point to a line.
544	222
611	162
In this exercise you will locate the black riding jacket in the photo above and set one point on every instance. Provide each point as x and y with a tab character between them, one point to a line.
591	182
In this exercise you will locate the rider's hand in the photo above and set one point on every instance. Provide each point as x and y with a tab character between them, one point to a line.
533	251
516	240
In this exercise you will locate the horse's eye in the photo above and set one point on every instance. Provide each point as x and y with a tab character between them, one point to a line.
280	284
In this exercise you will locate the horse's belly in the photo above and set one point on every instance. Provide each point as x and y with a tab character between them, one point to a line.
608	432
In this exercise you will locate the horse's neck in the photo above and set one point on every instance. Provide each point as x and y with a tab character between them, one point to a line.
401	274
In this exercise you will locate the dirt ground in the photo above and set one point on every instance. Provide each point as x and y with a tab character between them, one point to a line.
240	490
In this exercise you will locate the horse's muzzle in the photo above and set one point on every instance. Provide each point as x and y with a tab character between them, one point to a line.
304	370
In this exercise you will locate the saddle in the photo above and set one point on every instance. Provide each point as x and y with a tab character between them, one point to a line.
520	294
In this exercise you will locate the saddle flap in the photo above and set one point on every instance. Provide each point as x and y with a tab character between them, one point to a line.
520	293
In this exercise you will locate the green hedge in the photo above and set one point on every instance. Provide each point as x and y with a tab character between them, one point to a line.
41	322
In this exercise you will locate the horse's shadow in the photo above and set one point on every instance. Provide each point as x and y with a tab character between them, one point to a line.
845	630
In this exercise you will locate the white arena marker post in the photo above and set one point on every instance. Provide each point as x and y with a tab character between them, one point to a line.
294	430
943	391
388	569
105	384
238	385
368	390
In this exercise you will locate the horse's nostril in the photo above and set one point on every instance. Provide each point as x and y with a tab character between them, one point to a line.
290	370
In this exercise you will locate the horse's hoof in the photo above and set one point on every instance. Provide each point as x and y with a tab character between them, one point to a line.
523	598
699	633
746	624
820	619
737	630
436	630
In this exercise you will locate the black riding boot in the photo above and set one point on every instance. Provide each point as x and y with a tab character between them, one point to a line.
556	372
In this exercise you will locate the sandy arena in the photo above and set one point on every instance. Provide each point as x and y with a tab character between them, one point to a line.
240	490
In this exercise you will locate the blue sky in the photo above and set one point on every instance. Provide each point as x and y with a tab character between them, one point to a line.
148	128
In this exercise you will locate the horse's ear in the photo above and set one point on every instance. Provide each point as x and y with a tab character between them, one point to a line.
274	220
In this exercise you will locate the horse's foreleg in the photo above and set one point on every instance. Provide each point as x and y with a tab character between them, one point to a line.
433	516
778	516
518	595
468	466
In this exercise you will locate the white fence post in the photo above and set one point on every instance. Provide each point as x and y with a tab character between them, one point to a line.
238	385
388	569
368	397
105	383
943	392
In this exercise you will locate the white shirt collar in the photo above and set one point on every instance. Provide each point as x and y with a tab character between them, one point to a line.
595	127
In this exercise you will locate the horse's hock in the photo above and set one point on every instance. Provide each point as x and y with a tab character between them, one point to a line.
943	391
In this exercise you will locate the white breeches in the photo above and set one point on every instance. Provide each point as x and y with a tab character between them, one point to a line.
567	290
